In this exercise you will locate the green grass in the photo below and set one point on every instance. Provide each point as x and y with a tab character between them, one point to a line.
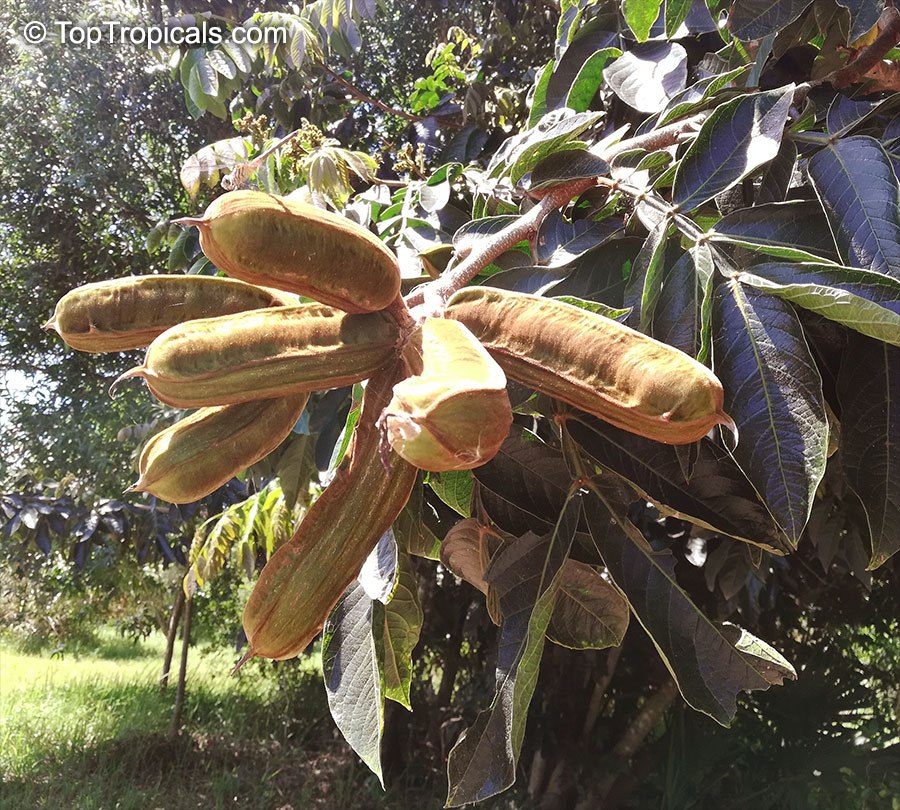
89	731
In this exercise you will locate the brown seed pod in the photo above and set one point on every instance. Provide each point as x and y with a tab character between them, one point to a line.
200	453
454	413
266	353
128	313
287	244
594	363
304	579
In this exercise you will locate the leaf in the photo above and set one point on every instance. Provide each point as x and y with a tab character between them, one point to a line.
716	495
676	317
739	137
754	19
589	613
859	192
589	79
207	76
676	13
776	179
790	230
559	241
221	63
594	306
772	665
773	392
378	574
352	678
845	113
553	131
413	536
645	281
865	301
467	550
640	16
539	104
207	166
698	94
565	166
648	76
708	670
524	486
863	15
525	576
401	622
466	237
454	489
868	388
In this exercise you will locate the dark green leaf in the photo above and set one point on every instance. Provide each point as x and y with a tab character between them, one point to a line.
693	97
645	281
561	241
649	76
776	179
863	15
525	576
531	280
717	495
524	486
539	98
846	113
676	318
565	166
773	392
476	229
709	671
352	677
865	301
640	16
856	183
600	274
869	392
594	306
754	19
739	137
790	230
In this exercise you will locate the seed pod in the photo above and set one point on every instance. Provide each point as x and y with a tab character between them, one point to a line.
304	579
197	455
278	242
127	313
454	414
596	364
266	353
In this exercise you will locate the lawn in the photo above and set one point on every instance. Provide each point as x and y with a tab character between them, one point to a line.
89	730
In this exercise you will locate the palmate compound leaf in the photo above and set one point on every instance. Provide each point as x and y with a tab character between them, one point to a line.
860	193
740	136
869	393
865	301
526	577
709	671
773	392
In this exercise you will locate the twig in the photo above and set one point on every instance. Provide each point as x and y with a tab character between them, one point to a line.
869	57
360	95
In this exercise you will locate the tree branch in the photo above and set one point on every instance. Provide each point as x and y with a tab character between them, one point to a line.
431	298
359	95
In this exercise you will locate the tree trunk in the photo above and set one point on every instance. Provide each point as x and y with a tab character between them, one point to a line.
174	619
182	671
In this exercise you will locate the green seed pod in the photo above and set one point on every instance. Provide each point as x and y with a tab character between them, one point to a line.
279	242
594	363
266	353
128	313
197	455
455	413
304	579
